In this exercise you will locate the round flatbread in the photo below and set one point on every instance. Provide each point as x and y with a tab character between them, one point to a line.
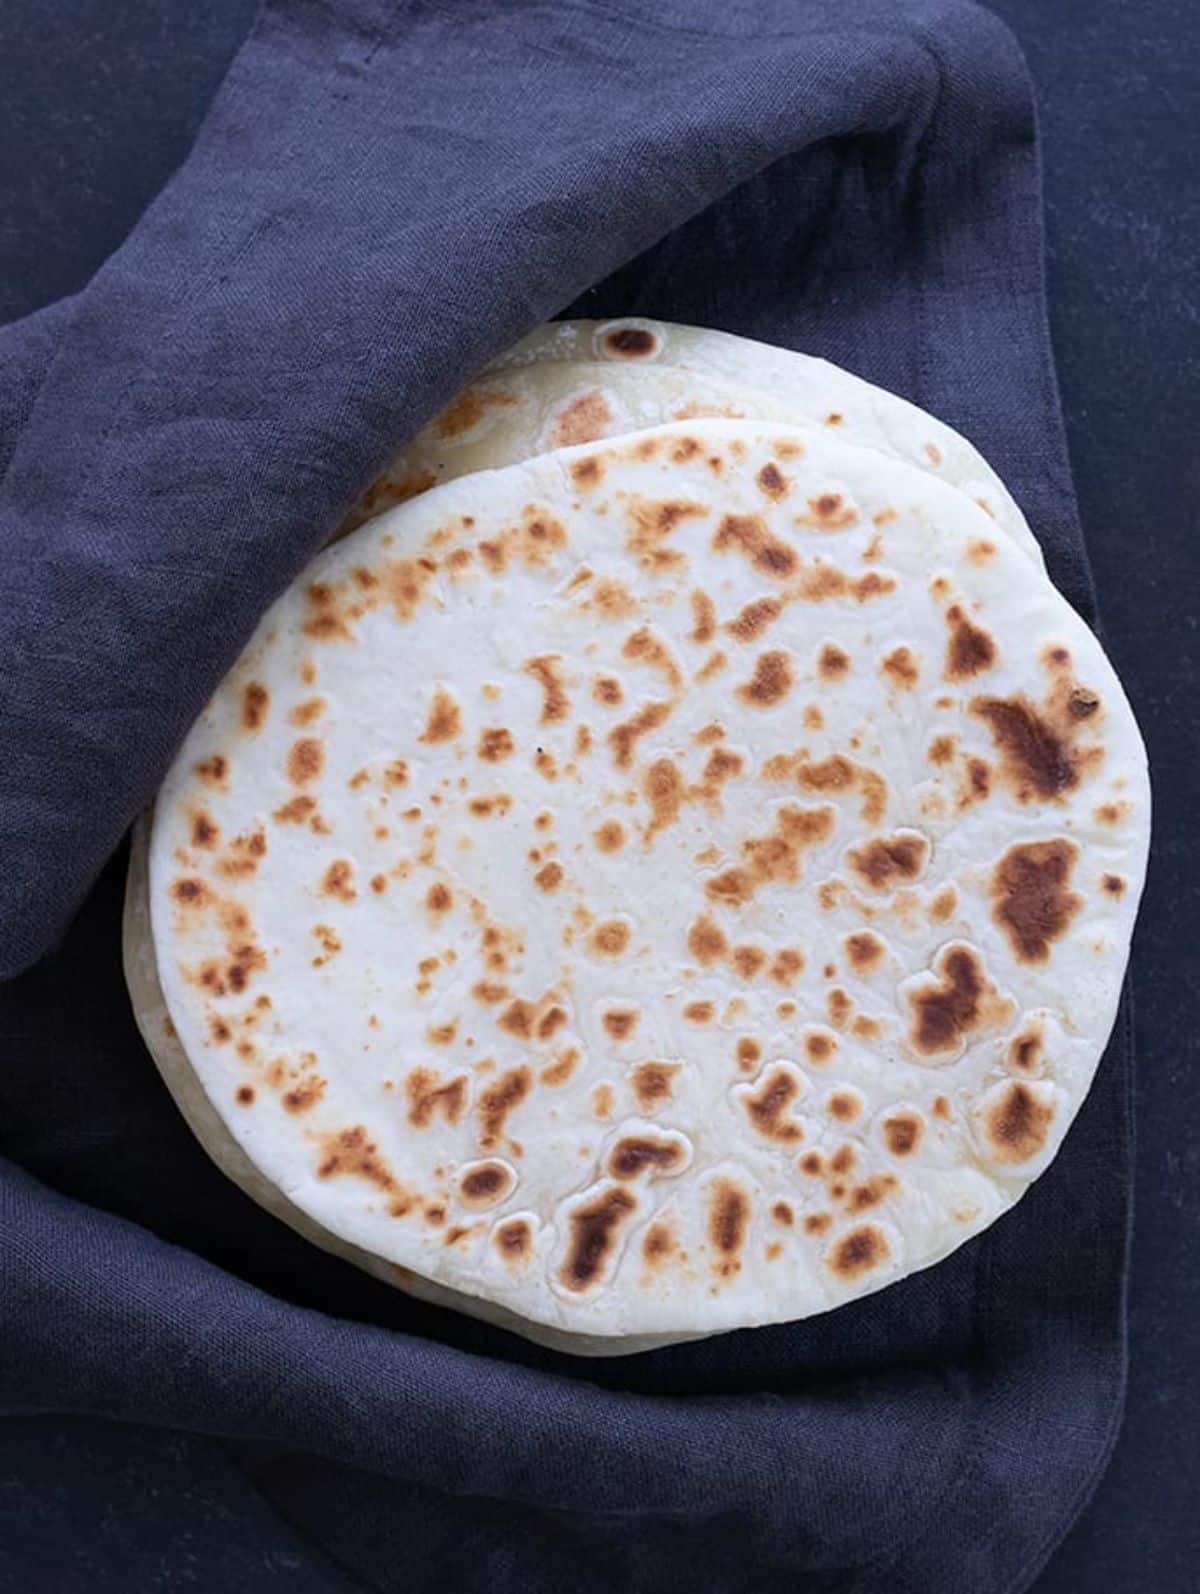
574	382
670	885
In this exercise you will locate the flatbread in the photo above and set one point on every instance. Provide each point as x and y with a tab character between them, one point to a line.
670	885
574	382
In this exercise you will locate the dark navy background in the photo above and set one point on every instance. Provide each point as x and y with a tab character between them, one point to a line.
99	100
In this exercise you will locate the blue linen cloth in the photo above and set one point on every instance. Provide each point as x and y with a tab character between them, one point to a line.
383	196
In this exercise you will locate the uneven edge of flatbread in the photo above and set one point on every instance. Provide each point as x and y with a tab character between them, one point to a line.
167	1053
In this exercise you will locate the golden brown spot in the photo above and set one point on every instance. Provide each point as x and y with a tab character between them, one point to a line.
933	453
706	941
608	690
612	599
747	961
811	1163
833	662
323	620
772	481
753	619
772	680
445	720
1113	884
219	1031
439	898
818	1222
976	782
941	750
338	880
653	1083
645	648
664	791
858	1252
728	1220
1025	1052
980	551
329	941
748	534
483	1184
775	856
867	1029
786	965
900	666
708	734
658	1244
620	1022
828	512
704	618
872	1191
353	1152
305	760
638	1154
768	1107
583	419
586	472
610	836
442	1034
782	1213
602	1101
941	1107
1110	813
630	343
500	1098
467	409
1016	1126
1031	897
205	831
943	904
952	1003
713	665
485	807
834	418
902	1133
494	744
514	1240
969	651
864	950
699	1012
748	1053
255	702
882	862
651	523
583	740
561	1069
549	877
593	1230
623	738
610	938
300	1098
839	1007
550	1022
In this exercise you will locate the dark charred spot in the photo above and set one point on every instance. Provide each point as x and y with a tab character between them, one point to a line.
858	1252
593	1230
499	1099
783	1213
902	1133
1037	758
889	860
638	1154
304	1095
1016	1125
728	1220
1025	1051
771	479
244	1095
255	701
969	651
485	1183
630	343
953	1003
767	1107
1113	884
748	535
1031	896
976	783
215	770
190	893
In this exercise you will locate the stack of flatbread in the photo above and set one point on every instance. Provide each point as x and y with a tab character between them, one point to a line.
668	866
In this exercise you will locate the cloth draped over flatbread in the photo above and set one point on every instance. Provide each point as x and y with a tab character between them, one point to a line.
381	200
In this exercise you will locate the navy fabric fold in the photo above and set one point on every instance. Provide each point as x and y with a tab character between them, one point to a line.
382	197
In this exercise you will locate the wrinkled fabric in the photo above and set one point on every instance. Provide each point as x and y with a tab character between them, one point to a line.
382	197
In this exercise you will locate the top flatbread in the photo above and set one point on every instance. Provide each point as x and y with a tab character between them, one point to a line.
669	885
